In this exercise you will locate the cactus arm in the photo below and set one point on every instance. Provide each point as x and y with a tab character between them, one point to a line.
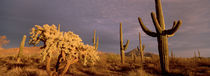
126	45
174	29
138	48
174	25
156	23
146	30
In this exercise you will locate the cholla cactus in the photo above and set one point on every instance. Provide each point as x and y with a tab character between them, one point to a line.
88	55
68	44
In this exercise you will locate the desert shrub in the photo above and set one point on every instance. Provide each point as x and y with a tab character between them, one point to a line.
138	72
70	47
3	41
17	71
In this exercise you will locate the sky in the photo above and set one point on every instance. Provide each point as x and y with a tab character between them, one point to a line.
17	17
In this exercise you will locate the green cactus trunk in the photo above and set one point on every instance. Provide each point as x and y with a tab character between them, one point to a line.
161	34
21	48
122	47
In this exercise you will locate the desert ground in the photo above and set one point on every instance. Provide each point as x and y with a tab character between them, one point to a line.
108	65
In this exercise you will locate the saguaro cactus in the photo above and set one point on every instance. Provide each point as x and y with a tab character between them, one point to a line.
21	48
95	42
161	33
141	49
122	47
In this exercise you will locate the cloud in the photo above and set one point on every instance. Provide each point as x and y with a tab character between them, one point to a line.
82	17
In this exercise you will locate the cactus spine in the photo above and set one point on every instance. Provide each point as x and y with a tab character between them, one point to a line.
162	34
95	42
122	47
21	48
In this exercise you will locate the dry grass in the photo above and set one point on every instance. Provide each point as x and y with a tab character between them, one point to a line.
108	65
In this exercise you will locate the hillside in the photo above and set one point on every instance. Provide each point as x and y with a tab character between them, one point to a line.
109	64
135	51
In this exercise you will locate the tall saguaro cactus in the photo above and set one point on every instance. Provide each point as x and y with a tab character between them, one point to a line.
141	49
95	42
161	33
122	47
21	48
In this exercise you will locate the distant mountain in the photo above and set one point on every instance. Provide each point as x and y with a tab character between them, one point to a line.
135	51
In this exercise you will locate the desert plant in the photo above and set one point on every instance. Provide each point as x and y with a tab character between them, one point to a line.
199	55
3	41
95	42
122	47
21	48
162	34
141	49
133	56
70	47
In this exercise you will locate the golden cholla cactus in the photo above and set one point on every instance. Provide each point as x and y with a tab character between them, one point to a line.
68	44
87	55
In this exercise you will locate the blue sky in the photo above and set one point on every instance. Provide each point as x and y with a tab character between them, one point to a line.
17	17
